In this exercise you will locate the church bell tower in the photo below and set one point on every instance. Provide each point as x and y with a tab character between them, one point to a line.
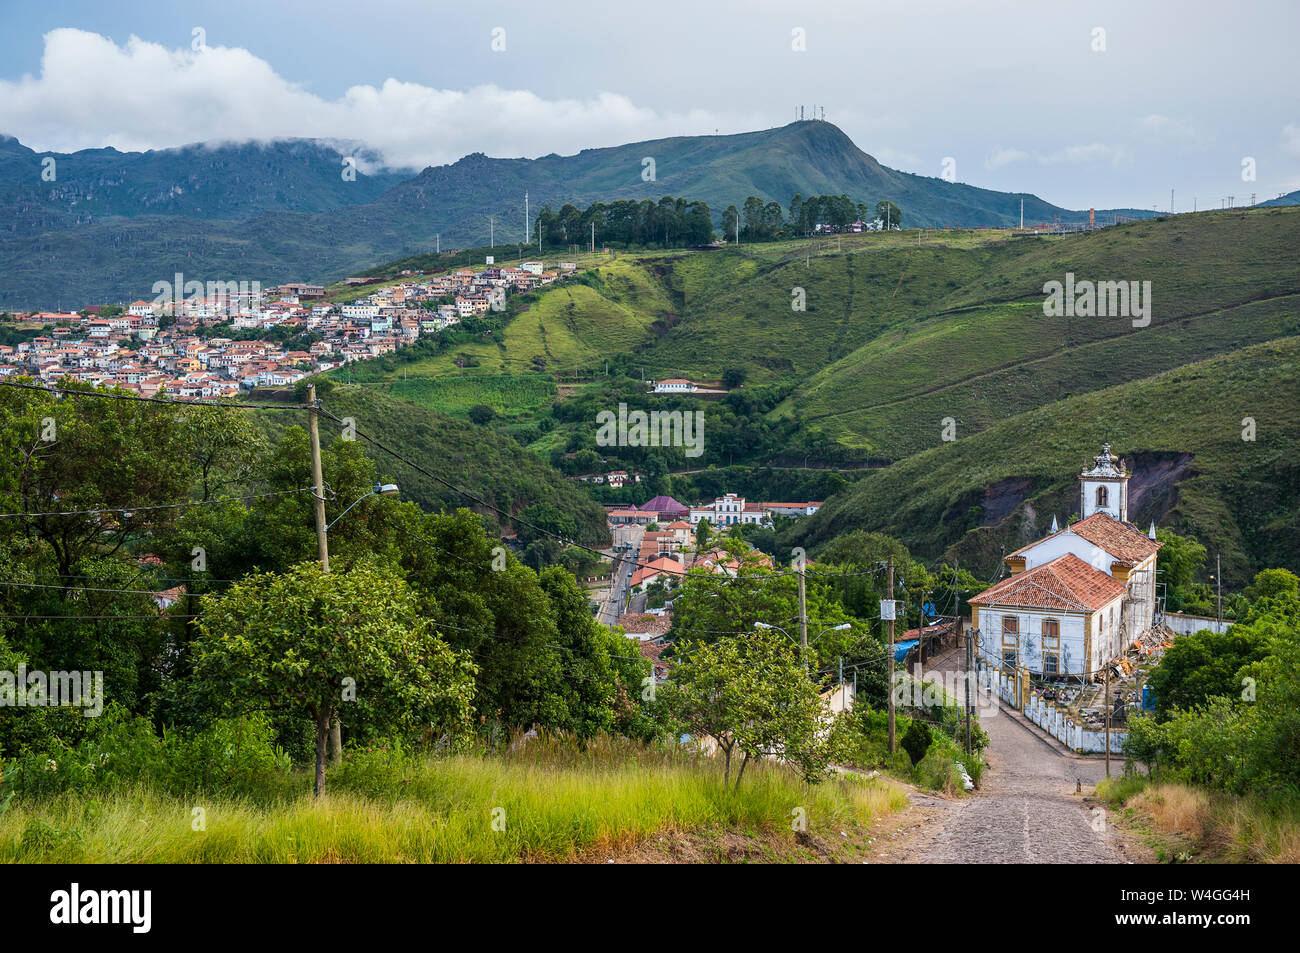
1104	487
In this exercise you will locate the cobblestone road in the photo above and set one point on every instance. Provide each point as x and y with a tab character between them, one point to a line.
1027	810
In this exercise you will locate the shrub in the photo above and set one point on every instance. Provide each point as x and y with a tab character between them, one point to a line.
916	741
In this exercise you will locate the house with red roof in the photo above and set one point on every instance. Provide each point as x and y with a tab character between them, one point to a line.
1076	599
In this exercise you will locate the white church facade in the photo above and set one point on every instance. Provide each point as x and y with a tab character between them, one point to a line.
1078	597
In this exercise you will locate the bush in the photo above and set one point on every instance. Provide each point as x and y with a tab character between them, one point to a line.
232	756
916	741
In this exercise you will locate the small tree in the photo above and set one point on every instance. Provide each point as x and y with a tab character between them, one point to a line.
916	740
752	696
309	642
702	534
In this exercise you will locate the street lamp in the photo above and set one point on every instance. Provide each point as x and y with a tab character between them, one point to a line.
804	648
381	489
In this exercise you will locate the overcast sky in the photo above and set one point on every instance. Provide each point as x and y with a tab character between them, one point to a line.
1085	104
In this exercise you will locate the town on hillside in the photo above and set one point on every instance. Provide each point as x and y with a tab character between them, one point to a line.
169	346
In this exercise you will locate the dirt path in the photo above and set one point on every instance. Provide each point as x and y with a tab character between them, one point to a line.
1027	810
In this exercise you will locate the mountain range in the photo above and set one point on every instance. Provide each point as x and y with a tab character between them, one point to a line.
101	225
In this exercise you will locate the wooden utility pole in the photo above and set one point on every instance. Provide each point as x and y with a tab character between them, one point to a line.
317	479
890	650
970	665
803	615
1106	703
322	541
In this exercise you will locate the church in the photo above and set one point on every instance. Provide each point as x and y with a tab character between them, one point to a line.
1077	598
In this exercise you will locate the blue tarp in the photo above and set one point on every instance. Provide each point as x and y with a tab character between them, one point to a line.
902	648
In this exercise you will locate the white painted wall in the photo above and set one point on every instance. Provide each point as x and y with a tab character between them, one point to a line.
1188	624
1068	542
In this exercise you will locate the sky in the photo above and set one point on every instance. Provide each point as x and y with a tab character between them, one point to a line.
1086	104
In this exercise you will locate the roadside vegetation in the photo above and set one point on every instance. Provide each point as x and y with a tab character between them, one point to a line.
1217	766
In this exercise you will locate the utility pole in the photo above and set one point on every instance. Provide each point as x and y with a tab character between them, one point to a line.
1106	703
322	542
437	243
526	222
970	673
492	242
1218	581
593	238
890	651
318	480
803	616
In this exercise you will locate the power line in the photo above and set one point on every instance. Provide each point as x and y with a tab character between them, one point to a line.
162	506
159	616
114	395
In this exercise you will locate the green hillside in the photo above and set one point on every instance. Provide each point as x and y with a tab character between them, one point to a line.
1181	431
492	467
900	332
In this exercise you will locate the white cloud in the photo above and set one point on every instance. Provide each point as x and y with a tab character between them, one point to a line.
1157	128
1291	139
1001	157
93	93
1093	153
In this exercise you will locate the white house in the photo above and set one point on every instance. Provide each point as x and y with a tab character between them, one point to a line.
1076	598
675	385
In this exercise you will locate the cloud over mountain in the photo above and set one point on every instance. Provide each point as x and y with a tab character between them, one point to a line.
160	97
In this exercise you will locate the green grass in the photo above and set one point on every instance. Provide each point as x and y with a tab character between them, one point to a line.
1244	496
442	811
508	395
480	460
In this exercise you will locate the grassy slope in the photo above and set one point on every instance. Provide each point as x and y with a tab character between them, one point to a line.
899	334
1243	496
441	811
1218	282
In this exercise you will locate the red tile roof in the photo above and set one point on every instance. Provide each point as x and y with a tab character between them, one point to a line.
1065	583
1123	542
1127	545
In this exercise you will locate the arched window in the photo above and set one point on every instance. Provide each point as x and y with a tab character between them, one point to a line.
1102	496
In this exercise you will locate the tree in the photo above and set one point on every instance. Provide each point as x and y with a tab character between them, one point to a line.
733	376
1204	665
82	453
308	642
916	740
481	414
730	220
702	534
1180	561
890	215
752	696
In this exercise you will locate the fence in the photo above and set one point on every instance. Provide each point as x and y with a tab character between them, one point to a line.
1187	624
1046	715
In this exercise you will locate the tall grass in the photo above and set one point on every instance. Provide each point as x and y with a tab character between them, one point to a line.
1223	827
548	802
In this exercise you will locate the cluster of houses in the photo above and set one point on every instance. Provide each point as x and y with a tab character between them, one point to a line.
668	550
727	510
167	344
